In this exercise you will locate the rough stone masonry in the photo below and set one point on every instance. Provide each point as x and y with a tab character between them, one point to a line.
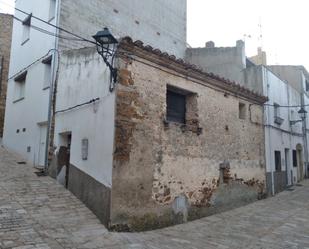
6	24
166	172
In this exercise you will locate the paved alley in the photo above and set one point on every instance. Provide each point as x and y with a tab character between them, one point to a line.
36	212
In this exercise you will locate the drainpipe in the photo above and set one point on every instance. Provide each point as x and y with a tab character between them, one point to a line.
305	141
290	141
1	73
268	118
52	85
305	146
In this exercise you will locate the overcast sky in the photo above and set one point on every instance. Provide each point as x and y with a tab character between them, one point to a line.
284	31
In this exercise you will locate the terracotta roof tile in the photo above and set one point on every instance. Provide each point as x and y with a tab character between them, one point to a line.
180	61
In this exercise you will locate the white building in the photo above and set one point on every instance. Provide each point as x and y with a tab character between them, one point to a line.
27	101
298	78
284	141
161	24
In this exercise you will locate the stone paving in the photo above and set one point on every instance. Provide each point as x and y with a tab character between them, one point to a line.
36	212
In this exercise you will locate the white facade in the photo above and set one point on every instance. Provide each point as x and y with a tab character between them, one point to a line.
83	77
27	101
298	77
280	135
161	24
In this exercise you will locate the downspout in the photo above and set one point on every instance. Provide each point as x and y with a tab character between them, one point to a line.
306	147
265	79
290	142
304	129
1	74
51	90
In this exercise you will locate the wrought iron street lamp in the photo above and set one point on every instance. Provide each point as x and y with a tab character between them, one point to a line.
302	113
106	47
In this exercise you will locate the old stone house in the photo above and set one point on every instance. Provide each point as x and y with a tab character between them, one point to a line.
171	143
6	25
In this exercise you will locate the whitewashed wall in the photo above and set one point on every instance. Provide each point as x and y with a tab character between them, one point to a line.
32	110
84	76
279	137
160	23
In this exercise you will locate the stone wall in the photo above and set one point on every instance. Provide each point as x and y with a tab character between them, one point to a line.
6	23
166	173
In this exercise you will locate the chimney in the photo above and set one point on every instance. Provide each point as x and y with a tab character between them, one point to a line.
240	43
260	50
210	44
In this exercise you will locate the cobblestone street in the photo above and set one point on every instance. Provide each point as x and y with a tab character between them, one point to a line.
36	212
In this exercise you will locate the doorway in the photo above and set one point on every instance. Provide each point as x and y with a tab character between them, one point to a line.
64	154
287	167
300	164
42	146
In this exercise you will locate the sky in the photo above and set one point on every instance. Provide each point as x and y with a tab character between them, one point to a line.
280	27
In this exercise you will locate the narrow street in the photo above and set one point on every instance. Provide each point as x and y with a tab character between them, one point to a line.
36	212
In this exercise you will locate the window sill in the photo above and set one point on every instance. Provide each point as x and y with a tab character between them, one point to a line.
278	120
25	41
184	127
166	121
18	100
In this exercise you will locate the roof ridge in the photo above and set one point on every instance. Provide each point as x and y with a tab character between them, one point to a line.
232	84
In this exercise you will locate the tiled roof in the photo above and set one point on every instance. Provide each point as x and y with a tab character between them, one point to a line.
226	84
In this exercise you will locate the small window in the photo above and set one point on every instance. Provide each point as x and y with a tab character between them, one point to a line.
85	145
176	106
277	115
278	160
52	10
47	72
294	158
307	85
276	110
20	85
26	29
242	111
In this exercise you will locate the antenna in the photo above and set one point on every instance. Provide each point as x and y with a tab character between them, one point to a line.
260	38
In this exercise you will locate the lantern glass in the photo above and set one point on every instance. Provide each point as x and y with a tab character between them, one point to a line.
104	37
302	113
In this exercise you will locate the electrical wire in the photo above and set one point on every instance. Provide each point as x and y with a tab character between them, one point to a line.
50	24
286	106
174	35
36	61
80	105
48	32
82	39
